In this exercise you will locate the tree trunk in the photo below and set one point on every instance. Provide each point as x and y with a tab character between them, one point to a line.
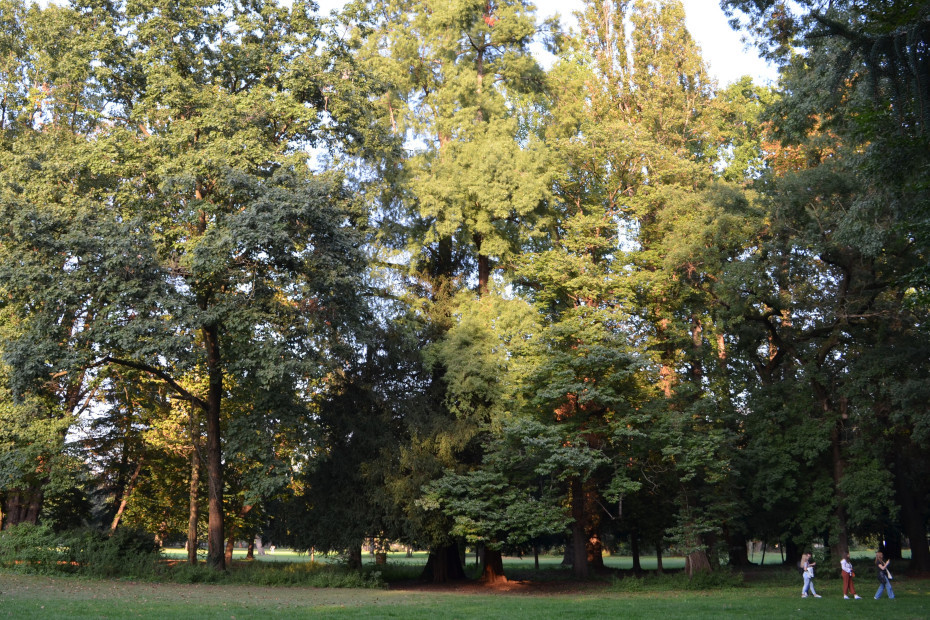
484	274
233	531
659	556
913	512
634	550
126	492
579	531
568	554
443	565
23	506
840	541
230	547
792	553
215	538
737	549
354	559
194	507
493	571
250	554
697	562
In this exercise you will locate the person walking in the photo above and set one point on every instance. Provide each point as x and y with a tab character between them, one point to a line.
807	569
884	575
848	574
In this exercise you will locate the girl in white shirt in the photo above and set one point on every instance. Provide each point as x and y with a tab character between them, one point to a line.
848	587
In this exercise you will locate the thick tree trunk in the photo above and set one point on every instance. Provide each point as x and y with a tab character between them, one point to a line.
579	531
659	556
250	553
697	562
840	540
194	507
23	506
443	565
493	571
634	550
215	538
792	553
737	549
913	512
354	557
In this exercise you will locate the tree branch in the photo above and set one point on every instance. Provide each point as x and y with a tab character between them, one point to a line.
161	374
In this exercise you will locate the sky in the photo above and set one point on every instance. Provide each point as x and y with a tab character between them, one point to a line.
727	57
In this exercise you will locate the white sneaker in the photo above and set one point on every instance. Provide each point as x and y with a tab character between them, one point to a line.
846	596
858	597
817	596
803	596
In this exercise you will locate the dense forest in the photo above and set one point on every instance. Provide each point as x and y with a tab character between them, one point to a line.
383	277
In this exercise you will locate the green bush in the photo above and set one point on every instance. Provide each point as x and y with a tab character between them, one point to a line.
38	549
714	580
127	553
307	574
628	584
29	548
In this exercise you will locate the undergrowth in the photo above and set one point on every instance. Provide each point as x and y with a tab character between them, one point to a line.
715	580
307	574
38	549
128	554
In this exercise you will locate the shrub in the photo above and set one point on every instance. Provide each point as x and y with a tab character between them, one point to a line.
714	580
29	548
38	549
128	553
305	574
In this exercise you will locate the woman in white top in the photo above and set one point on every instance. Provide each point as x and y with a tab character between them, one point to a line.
807	569
848	587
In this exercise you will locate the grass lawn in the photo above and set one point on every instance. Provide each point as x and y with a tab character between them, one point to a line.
774	595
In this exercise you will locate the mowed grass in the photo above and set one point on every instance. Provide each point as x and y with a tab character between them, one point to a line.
775	595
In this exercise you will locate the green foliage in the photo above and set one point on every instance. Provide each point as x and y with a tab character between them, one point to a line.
680	582
293	574
39	549
28	547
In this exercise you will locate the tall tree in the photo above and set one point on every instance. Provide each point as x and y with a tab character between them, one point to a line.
853	203
206	248
640	134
